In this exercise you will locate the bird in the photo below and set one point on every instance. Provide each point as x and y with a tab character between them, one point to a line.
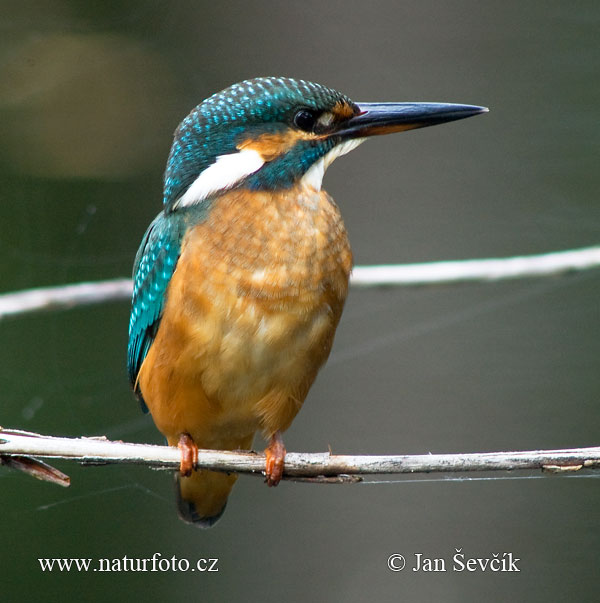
240	281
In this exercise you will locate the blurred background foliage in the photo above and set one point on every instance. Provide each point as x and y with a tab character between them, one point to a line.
90	94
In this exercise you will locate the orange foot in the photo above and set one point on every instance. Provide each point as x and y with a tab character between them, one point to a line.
275	453
189	454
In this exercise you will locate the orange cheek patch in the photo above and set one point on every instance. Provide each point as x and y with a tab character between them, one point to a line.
269	145
342	110
272	145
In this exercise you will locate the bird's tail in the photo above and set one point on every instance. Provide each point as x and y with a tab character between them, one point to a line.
202	497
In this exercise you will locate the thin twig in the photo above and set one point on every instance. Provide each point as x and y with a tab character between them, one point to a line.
477	270
68	296
64	297
297	465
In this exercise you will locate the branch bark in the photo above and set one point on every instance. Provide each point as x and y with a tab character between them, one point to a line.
64	297
320	467
484	270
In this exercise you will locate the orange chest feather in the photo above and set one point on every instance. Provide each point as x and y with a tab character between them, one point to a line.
283	249
254	302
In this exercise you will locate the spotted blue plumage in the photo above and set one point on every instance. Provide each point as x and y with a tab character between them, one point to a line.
154	265
243	111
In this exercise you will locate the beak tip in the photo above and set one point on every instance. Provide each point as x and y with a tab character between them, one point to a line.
470	110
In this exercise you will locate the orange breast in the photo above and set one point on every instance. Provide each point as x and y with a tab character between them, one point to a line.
250	316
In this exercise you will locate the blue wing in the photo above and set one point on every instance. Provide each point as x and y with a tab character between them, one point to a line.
154	265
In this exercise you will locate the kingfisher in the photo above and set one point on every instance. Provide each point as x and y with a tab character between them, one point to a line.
240	281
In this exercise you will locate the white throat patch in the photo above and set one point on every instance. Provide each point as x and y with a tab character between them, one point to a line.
230	169
223	174
314	176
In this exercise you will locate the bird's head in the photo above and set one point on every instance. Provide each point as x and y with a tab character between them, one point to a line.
271	133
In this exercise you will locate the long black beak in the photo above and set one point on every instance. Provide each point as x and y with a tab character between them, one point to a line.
385	118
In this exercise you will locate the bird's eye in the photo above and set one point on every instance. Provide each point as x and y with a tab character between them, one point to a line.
305	120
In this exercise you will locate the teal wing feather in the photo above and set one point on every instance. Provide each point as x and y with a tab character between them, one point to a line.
154	265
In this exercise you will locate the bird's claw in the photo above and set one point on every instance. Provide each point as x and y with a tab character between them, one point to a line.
189	454
275	457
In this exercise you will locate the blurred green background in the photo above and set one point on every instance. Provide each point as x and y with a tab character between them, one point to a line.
90	93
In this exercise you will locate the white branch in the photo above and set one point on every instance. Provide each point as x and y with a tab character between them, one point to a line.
68	296
477	270
64	296
19	444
